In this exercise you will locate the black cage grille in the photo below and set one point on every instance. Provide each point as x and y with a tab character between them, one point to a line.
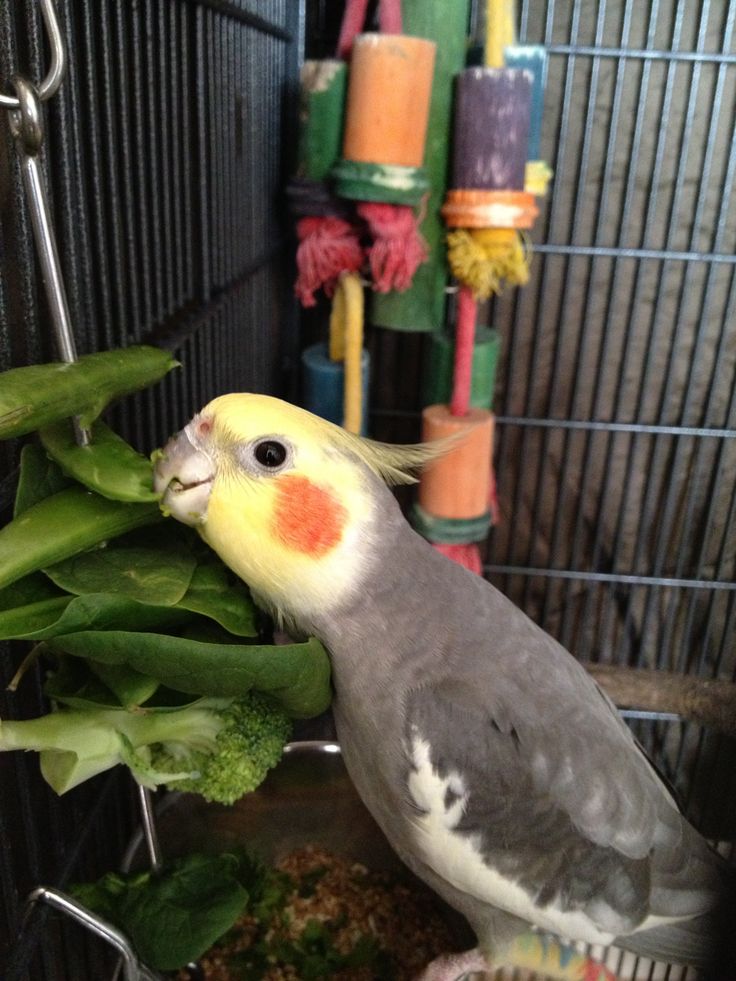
165	155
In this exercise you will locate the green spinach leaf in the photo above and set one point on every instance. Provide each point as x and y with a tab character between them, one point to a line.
296	675
174	915
39	478
150	575
95	611
213	594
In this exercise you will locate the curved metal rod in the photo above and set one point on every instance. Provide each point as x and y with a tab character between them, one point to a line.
57	68
133	970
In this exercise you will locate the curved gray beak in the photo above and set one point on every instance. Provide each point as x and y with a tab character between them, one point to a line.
183	475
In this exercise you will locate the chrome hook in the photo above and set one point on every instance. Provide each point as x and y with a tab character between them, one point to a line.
57	67
26	124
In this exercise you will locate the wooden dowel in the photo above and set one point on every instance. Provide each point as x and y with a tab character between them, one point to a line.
707	702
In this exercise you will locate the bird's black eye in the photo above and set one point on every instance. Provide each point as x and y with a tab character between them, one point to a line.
270	453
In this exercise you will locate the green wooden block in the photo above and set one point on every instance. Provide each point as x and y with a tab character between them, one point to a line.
322	105
422	307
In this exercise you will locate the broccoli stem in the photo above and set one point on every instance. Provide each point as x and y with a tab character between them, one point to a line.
194	727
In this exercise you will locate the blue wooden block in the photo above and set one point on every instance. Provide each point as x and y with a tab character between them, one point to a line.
532	57
323	383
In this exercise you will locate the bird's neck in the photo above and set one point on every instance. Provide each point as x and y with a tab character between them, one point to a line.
403	602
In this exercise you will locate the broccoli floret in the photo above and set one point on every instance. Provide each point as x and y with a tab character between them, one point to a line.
249	743
220	748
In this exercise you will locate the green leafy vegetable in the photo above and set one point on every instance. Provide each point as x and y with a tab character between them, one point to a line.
28	590
213	593
107	465
33	621
75	684
118	601
131	688
174	915
37	395
149	575
54	617
296	675
63	525
167	574
39	478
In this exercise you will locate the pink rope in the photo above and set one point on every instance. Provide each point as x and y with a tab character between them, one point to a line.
468	556
398	248
389	21
327	247
464	345
389	16
352	24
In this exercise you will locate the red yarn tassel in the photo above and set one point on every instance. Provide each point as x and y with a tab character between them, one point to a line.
327	247
467	556
398	248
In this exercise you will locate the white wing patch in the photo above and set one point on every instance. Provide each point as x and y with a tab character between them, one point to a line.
458	859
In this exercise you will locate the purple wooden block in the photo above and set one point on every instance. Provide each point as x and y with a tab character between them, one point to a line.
492	109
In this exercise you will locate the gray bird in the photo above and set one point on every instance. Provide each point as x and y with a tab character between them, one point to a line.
498	770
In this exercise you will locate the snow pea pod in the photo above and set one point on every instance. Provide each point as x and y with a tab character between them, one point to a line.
109	465
63	525
39	394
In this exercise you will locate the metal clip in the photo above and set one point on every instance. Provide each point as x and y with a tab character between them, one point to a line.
133	969
58	58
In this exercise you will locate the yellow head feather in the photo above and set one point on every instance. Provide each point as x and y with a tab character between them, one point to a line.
242	415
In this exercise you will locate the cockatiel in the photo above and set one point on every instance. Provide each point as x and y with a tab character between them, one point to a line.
497	769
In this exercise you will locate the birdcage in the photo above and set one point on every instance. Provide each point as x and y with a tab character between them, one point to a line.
167	149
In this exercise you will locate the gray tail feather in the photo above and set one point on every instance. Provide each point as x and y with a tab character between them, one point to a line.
707	942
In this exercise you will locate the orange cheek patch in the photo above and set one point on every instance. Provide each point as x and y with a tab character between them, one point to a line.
307	518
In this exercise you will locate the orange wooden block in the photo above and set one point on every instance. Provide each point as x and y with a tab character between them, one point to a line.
458	485
389	92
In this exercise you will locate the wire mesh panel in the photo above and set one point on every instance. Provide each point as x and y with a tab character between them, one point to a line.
165	155
616	453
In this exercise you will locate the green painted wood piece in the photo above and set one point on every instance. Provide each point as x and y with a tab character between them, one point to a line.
393	184
323	87
422	307
450	531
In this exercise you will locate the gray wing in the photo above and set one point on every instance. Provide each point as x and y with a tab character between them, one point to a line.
559	799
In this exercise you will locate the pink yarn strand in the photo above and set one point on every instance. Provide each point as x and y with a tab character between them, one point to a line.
327	247
389	16
352	24
468	556
398	248
467	310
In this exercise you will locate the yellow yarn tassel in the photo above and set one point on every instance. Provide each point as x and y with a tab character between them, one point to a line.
537	177
486	258
539	953
346	344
